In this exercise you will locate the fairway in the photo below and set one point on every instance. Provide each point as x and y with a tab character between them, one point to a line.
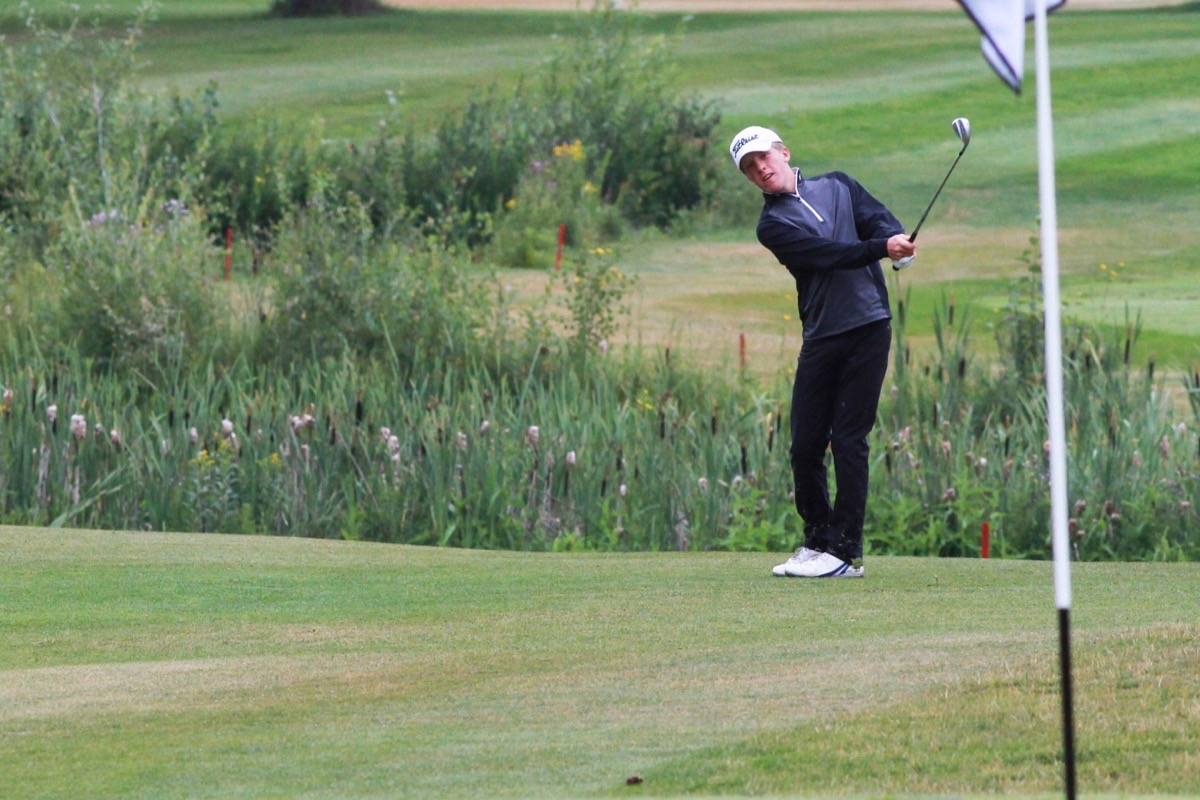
182	665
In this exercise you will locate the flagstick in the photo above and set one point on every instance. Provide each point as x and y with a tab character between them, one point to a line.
1054	385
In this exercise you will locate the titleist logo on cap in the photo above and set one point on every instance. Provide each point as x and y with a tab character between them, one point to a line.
740	143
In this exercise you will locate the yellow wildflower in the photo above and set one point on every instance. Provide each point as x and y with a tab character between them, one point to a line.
573	151
511	203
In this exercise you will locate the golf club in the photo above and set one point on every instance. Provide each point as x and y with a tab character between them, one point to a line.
962	129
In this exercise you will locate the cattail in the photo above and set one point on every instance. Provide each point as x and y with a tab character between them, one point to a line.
945	448
682	531
1180	428
52	413
99	431
78	426
1136	458
393	444
193	435
1164	446
1080	507
622	490
484	427
602	346
385	433
950	495
703	483
358	411
532	434
114	436
460	440
745	467
1185	505
570	458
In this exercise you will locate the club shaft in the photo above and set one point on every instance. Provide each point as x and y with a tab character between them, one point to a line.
916	230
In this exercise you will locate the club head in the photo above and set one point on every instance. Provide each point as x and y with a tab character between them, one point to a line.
962	129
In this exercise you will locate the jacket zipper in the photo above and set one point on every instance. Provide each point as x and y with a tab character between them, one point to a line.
810	208
806	203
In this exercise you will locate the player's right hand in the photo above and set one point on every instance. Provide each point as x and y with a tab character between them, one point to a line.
900	246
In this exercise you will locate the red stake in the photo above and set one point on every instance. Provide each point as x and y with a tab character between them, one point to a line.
562	239
742	350
228	252
985	536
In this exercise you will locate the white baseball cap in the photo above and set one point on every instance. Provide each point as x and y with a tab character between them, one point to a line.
754	139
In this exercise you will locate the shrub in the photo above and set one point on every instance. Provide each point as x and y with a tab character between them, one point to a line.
74	131
555	191
253	176
336	290
648	144
137	293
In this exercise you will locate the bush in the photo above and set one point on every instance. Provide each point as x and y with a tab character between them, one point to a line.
336	290
137	294
648	145
555	191
74	132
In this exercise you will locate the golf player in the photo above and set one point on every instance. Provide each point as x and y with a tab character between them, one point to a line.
830	234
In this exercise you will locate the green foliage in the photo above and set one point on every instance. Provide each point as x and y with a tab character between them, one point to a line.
555	191
75	133
647	144
135	293
252	177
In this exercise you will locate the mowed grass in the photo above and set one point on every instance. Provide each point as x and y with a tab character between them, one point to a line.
868	92
173	665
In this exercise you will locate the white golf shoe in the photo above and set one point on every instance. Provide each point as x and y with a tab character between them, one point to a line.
823	565
798	558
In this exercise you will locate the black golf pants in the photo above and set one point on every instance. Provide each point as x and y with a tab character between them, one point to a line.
834	401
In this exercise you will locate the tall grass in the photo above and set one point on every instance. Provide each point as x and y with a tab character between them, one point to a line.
582	450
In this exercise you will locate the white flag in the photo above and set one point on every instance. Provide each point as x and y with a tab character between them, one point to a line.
1002	23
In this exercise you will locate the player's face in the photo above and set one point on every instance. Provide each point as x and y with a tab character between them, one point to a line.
769	170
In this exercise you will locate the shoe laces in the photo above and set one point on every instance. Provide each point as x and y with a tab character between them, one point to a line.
803	553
